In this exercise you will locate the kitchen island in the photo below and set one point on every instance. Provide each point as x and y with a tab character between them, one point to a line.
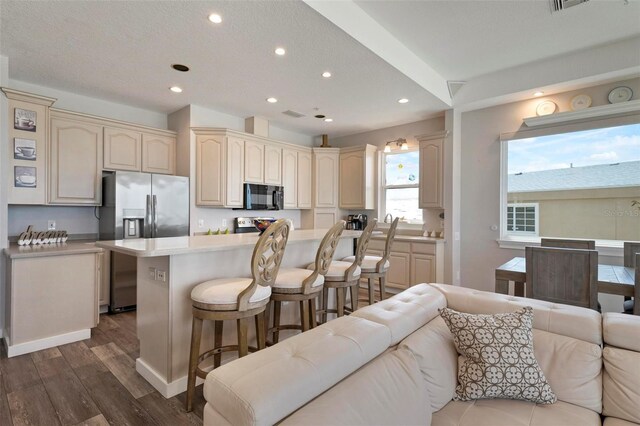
169	268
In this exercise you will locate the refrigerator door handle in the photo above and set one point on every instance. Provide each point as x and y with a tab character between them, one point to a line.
155	217
148	220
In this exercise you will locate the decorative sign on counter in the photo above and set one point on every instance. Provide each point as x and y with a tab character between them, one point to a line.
45	237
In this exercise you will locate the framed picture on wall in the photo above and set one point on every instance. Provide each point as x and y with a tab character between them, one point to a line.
24	149
23	119
25	177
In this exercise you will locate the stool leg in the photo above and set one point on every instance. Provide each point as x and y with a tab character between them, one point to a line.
260	331
276	320
217	336
383	287
243	339
371	291
354	295
304	315
196	335
325	304
267	316
312	312
341	295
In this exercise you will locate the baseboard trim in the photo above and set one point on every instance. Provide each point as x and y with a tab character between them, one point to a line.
166	389
46	343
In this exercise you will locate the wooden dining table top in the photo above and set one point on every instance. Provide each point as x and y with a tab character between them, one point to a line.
612	279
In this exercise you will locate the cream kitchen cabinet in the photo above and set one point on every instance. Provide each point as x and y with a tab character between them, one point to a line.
253	162
234	172
272	165
158	154
290	178
75	161
305	169
104	296
326	173
357	177
431	170
122	149
423	268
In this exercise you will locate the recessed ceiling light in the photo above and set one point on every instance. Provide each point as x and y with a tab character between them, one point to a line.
180	67
403	101
280	51
328	120
215	18
326	74
538	93
319	116
175	89
272	100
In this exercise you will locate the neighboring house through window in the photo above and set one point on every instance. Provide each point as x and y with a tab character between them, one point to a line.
400	186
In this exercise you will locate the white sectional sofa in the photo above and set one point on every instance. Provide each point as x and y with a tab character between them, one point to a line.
395	363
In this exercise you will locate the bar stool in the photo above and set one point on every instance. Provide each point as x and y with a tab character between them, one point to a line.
236	299
376	267
304	285
343	275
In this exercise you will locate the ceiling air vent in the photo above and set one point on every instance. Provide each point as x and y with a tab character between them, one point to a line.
558	5
293	114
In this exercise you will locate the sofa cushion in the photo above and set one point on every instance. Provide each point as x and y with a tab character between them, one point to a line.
500	362
504	412
619	330
571	321
621	384
433	348
572	367
404	313
270	384
612	421
387	391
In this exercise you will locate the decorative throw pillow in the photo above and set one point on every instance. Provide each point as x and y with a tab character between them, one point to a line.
498	357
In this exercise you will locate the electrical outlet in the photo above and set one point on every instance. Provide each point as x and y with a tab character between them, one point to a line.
200	223
224	223
161	276
51	225
152	273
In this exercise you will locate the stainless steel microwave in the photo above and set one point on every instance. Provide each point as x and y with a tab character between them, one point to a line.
262	197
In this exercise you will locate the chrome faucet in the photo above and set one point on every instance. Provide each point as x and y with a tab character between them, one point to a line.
388	218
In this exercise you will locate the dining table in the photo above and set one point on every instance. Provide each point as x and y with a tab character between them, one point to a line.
612	279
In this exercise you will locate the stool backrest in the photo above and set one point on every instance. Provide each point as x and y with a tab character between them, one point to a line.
388	244
266	259
324	256
569	244
361	249
630	250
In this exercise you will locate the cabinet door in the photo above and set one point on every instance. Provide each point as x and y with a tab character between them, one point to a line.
423	269
105	279
325	219
122	149
210	170
304	180
158	154
75	162
327	176
235	171
253	162
272	165
352	194
399	273
290	178
431	169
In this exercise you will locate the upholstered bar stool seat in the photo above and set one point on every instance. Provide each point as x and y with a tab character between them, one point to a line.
293	279
223	293
337	270
369	263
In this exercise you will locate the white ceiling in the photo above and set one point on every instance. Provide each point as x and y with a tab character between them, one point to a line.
122	52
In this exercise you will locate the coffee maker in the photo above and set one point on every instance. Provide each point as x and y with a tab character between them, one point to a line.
357	222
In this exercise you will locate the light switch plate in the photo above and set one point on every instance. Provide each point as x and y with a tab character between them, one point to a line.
200	223
161	276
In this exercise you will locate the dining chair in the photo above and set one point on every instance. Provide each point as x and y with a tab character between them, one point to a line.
631	251
569	244
558	275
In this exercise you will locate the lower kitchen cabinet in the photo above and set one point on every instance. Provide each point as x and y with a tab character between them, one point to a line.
423	268
105	279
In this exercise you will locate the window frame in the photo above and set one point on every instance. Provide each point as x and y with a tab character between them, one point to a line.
536	207
383	187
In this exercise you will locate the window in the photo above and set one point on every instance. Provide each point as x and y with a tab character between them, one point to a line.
401	186
522	219
583	184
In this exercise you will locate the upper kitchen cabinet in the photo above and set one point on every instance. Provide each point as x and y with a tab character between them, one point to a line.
158	154
305	169
26	174
253	162
75	160
272	165
122	149
290	178
431	170
326	176
357	177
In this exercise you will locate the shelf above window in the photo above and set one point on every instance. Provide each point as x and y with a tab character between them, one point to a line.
593	112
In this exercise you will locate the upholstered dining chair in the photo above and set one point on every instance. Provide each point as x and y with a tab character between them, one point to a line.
631	249
568	276
376	267
570	244
304	285
236	299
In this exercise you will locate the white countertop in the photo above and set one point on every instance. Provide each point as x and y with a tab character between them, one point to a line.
204	243
15	251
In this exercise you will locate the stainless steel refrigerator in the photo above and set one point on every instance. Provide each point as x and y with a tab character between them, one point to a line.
139	205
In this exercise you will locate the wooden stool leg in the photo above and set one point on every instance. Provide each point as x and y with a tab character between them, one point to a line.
312	312
354	295
371	291
325	304
243	338
196	335
217	358
260	331
383	287
277	305
304	315
267	315
341	295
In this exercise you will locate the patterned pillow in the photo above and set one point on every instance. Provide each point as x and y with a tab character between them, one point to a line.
498	357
